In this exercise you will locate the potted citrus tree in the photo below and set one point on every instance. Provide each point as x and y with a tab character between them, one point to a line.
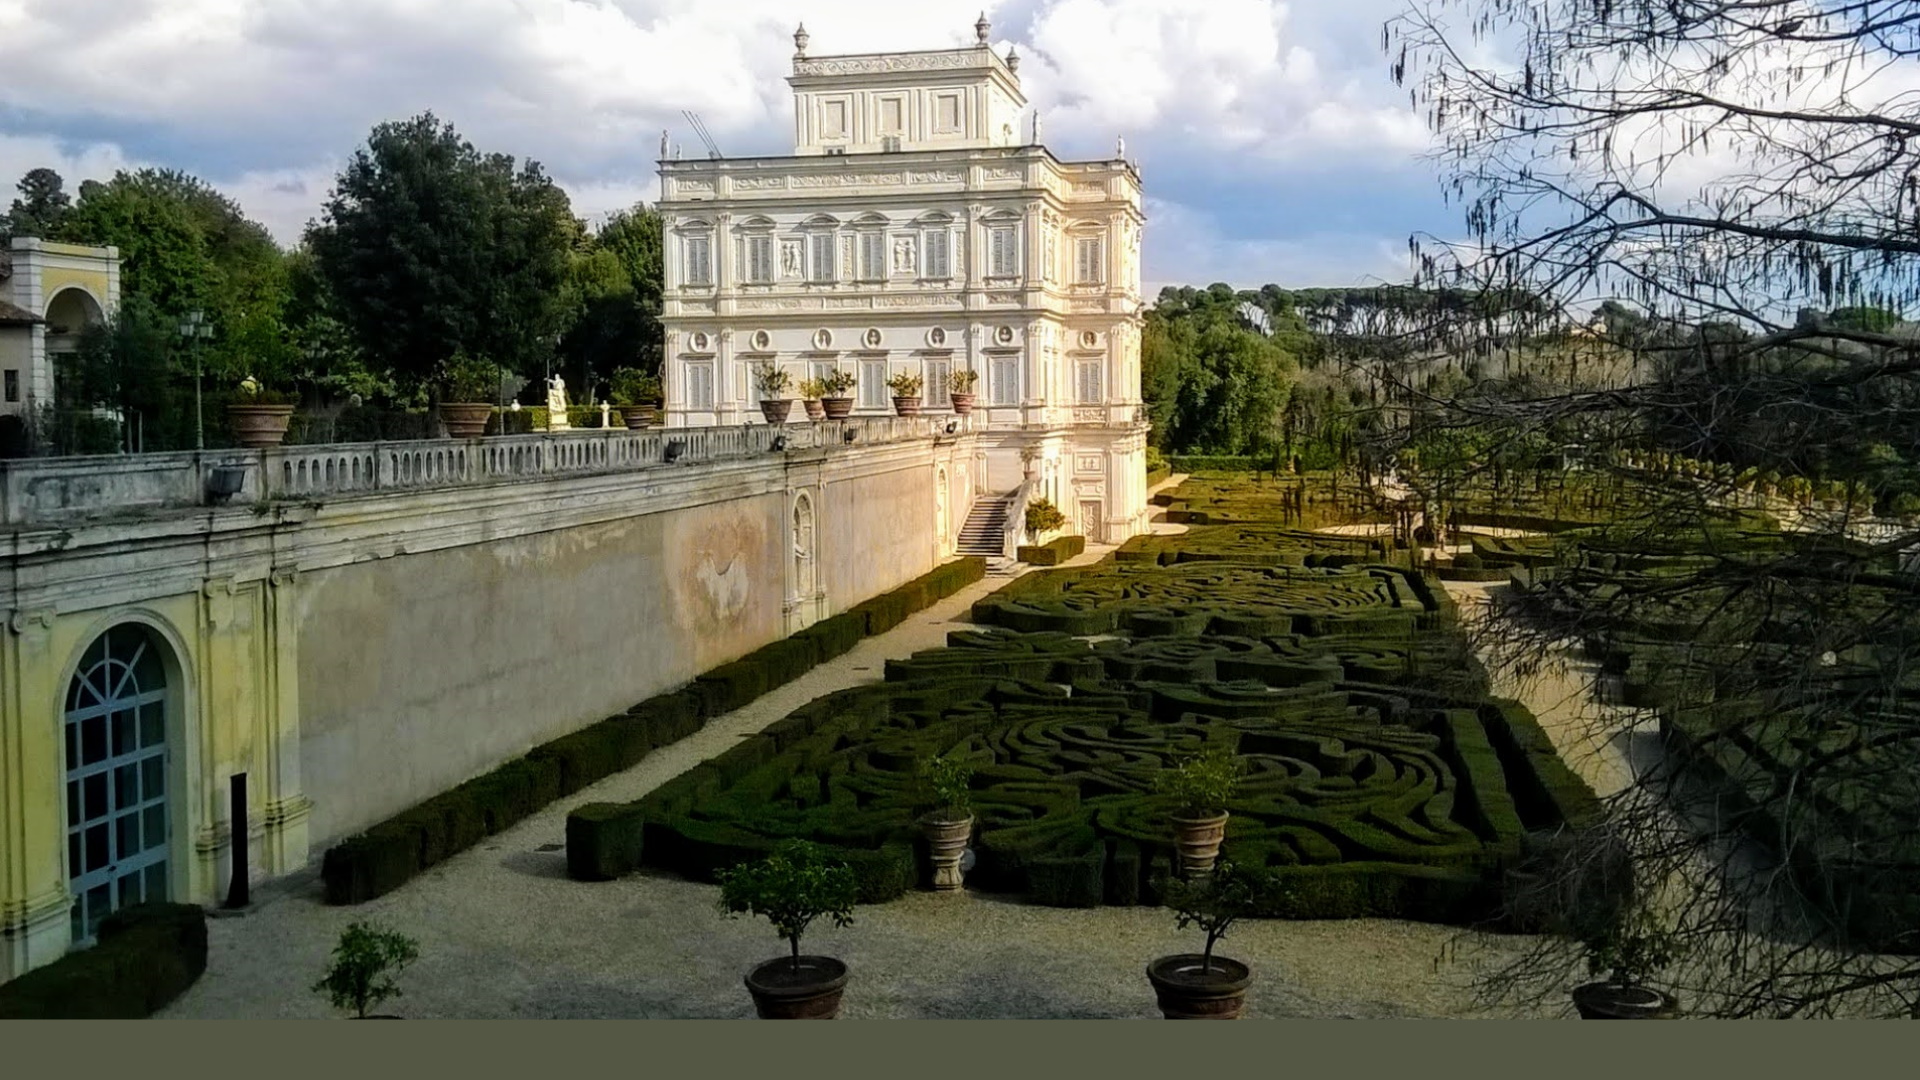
365	961
811	391
469	383
836	394
906	393
1202	986
772	383
949	824
1629	949
637	394
1200	786
258	415
960	389
791	888
1042	517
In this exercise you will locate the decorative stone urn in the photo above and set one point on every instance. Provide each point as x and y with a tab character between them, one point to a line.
1188	990
906	406
637	416
946	846
257	426
837	408
962	403
465	419
810	993
776	411
1612	1001
815	410
1198	840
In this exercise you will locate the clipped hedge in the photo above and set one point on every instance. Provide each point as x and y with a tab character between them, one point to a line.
1053	552
147	955
604	841
392	852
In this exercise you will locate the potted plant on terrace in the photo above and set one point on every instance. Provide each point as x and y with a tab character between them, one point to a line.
259	416
835	396
360	976
1202	986
1200	786
470	383
811	391
1628	949
949	825
960	389
772	383
638	395
906	393
1042	517
792	887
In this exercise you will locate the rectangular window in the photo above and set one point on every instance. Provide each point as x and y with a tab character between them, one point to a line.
1087	381
873	256
821	263
934	243
934	383
760	259
1089	268
820	369
13	384
1002	252
873	384
946	113
1005	374
700	386
699	260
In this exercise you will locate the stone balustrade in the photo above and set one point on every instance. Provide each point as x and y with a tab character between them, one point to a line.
54	491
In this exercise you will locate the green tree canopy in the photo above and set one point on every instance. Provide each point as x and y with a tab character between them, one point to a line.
39	210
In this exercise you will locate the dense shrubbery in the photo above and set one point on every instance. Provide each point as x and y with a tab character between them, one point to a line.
147	955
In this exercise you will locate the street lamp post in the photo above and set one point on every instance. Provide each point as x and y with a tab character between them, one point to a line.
195	330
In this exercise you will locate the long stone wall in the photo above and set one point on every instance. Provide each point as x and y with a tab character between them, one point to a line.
391	631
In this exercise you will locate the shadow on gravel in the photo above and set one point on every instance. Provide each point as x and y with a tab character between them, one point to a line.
599	1001
1012	996
540	864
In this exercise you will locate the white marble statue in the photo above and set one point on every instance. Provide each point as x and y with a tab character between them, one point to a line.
557	404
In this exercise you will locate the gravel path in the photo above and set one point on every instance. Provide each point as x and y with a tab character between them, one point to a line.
504	932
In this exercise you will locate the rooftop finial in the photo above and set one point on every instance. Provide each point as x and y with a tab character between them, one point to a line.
1013	58
800	42
980	28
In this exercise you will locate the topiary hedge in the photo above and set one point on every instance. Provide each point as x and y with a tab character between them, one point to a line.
1053	552
146	956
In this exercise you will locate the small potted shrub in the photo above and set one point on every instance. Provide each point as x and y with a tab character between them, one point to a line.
1202	986
364	963
811	391
1628	949
259	416
792	887
1200	787
836	395
469	384
637	394
906	393
772	384
949	825
960	389
1042	517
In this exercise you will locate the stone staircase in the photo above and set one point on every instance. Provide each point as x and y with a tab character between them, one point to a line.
985	528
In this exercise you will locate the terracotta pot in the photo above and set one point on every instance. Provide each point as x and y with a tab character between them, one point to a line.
637	416
946	845
815	410
1198	839
465	419
1611	1001
906	406
962	403
1187	992
812	993
256	426
776	411
837	407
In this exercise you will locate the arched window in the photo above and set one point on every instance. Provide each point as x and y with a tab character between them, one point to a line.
803	575
116	777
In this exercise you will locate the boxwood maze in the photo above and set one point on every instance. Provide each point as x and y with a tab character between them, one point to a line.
1378	778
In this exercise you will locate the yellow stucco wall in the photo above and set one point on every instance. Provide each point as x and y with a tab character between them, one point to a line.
54	279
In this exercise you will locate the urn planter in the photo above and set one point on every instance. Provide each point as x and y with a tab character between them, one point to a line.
1189	990
812	992
256	426
1612	1001
1198	841
962	403
815	410
946	846
837	408
638	416
776	411
906	406
465	419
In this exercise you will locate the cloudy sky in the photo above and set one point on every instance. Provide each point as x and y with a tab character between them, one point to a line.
1273	145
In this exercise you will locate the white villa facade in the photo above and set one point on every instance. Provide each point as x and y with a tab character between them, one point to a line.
919	227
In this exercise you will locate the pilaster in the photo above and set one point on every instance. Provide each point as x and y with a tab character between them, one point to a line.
34	905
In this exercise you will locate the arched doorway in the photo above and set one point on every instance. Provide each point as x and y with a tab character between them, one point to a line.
69	313
116	777
803	562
